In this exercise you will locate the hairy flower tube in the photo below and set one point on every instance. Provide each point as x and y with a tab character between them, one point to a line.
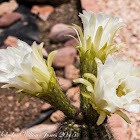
116	87
99	31
25	69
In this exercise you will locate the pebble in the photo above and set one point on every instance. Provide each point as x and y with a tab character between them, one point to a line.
65	84
65	56
6	119
54	46
3	47
26	105
44	52
1	30
10	18
114	121
57	116
71	72
42	11
17	129
8	7
78	60
71	42
46	106
89	5
73	95
10	98
58	32
28	33
59	72
11	41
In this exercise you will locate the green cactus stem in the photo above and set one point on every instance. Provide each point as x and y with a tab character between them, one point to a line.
56	97
88	65
73	131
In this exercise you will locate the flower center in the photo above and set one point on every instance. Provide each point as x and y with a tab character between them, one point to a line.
119	91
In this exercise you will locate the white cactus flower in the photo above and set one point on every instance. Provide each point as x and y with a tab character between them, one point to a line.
100	27
118	85
99	31
115	88
24	68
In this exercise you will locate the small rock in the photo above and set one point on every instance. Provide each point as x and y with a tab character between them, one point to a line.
46	106
64	83
90	5
3	47
42	11
54	46
1	30
78	59
26	105
57	116
25	23
8	7
10	105
71	42
6	119
44	52
11	118
16	129
59	72
10	18
114	121
58	32
65	56
11	41
73	95
71	72
10	98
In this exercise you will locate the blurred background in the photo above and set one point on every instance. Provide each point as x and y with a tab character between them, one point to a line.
48	21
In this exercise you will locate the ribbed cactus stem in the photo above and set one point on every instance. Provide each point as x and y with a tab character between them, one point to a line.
60	102
71	130
88	65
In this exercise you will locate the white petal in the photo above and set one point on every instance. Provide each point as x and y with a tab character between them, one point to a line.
91	23
15	62
133	107
111	75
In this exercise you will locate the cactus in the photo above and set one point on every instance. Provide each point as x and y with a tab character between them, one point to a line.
74	131
105	82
